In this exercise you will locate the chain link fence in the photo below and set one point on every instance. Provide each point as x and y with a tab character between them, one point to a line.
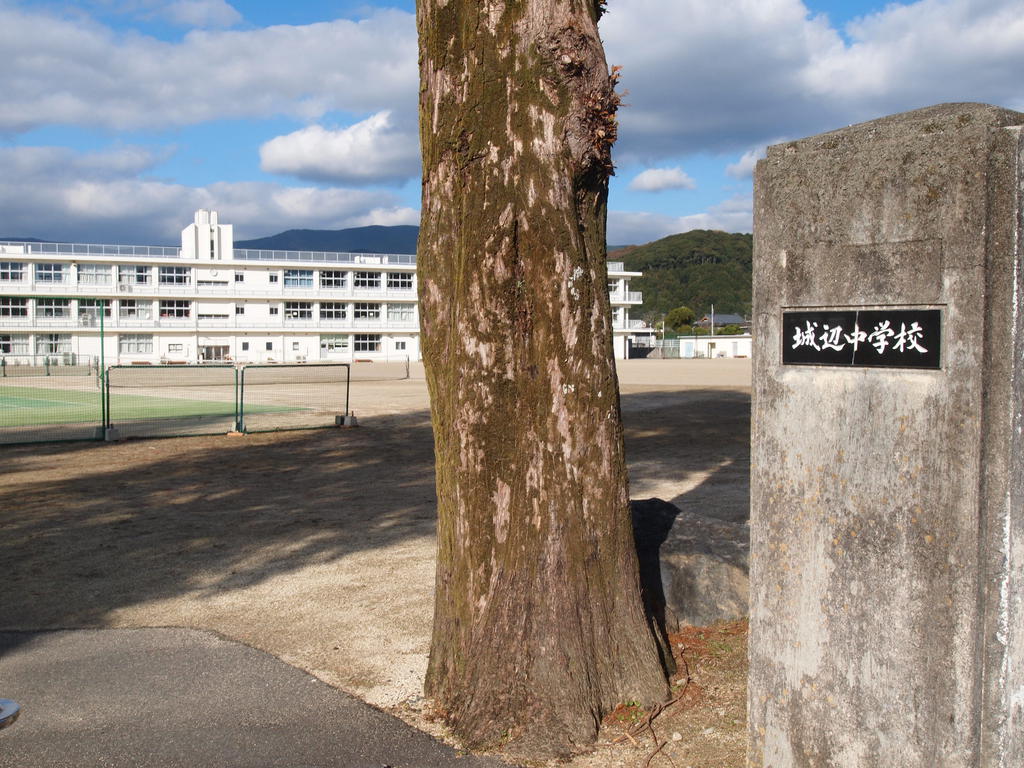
130	401
44	402
301	396
30	366
170	400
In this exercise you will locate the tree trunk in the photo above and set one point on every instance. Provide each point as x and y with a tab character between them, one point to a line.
539	629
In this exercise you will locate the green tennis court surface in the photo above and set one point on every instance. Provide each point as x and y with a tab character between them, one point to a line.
29	406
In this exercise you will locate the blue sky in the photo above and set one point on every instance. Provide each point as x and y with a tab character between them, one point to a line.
121	117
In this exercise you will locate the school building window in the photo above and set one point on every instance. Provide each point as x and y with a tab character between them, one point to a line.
13	344
94	274
91	307
133	274
135	344
298	310
400	313
12	271
399	280
51	273
298	278
53	344
364	311
175	308
334	343
175	275
53	308
333	310
367	342
13	307
131	309
367	279
332	278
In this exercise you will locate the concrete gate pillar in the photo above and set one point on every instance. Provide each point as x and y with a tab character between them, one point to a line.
887	480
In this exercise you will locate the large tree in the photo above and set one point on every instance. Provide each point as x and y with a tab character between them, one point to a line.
539	627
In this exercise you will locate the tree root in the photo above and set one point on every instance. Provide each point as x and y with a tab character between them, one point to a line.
647	724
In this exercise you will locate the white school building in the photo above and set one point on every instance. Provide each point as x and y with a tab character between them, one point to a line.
208	301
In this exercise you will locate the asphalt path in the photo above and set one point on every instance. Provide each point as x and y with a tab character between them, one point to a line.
163	698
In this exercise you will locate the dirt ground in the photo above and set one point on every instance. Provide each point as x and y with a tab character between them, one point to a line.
318	546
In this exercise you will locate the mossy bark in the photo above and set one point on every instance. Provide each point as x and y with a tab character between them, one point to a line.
539	627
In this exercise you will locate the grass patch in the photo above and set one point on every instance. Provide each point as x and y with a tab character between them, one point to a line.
32	406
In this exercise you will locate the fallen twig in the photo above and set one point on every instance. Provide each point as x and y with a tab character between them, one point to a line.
658	749
658	709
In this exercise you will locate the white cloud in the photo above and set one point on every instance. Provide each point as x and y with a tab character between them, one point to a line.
61	164
929	51
370	151
744	167
54	193
730	75
636	228
188	13
387	217
660	179
200	13
75	71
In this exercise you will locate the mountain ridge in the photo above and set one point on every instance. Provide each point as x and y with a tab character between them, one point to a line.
376	238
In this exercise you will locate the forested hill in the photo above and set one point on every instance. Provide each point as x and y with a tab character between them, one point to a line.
694	269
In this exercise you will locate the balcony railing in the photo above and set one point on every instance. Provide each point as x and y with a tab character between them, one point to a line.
15	248
237	291
626	297
327	257
12	248
278	323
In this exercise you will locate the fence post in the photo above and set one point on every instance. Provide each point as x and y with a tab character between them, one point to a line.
103	401
348	384
106	392
240	399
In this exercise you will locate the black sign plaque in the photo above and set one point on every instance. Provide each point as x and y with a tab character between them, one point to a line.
876	338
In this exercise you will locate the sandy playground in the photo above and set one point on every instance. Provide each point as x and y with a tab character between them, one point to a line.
315	546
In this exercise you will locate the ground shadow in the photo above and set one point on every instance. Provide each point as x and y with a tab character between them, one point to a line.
89	528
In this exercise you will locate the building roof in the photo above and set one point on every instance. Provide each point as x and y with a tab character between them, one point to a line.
724	319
